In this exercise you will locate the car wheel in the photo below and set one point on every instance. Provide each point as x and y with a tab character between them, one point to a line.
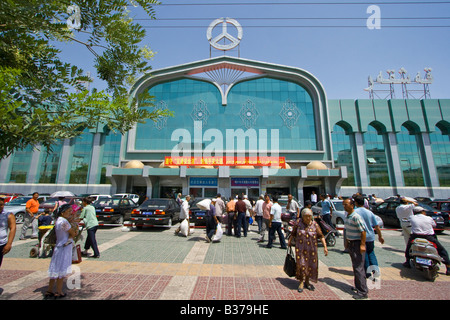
120	220
19	217
339	221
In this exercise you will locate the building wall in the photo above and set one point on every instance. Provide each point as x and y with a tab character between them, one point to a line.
412	139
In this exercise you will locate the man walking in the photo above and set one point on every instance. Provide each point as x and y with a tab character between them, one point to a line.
220	207
241	208
356	243
275	225
327	210
266	207
371	223
292	207
259	212
31	208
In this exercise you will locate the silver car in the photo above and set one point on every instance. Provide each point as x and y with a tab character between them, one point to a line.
339	214
17	207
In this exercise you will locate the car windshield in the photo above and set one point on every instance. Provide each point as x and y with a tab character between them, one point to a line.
107	202
339	205
427	207
18	201
52	201
155	204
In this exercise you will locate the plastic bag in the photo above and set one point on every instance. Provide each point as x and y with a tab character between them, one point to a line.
184	228
219	232
204	204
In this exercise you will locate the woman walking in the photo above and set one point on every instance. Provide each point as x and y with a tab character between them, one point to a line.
305	234
90	221
61	263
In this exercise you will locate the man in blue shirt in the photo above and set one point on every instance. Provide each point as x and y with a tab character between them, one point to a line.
371	223
327	209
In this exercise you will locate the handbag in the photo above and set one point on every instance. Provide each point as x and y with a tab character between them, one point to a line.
290	264
76	254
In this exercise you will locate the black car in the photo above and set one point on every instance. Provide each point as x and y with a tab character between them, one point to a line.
386	211
156	212
196	215
113	210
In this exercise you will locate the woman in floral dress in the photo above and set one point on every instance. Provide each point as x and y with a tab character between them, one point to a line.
61	263
305	234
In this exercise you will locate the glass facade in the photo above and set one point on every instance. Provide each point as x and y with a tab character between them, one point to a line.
49	164
410	158
111	153
343	153
81	158
21	165
376	158
440	144
259	103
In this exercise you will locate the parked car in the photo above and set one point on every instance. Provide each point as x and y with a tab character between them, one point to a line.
441	205
386	211
50	203
17	206
113	210
156	212
96	197
132	196
196	215
10	196
339	215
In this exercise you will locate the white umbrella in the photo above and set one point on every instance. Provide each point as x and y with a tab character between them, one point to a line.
62	194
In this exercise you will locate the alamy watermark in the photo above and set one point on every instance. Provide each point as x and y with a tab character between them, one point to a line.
374	21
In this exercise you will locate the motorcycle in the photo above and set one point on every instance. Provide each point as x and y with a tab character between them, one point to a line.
328	231
424	257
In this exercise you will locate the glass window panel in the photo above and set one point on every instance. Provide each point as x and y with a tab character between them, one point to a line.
376	158
21	165
49	163
440	146
81	158
111	154
410	158
343	153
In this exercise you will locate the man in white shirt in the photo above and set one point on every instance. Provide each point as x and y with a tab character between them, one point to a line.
275	224
220	207
184	213
422	227
313	197
404	212
248	212
259	212
292	207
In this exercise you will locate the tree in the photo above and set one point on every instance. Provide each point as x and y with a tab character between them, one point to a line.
44	99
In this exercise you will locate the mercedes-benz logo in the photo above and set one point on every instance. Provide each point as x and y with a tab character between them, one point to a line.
233	42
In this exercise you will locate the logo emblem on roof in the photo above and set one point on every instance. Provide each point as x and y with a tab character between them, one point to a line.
229	41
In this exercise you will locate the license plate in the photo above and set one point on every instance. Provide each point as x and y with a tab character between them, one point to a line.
98	210
200	213
148	213
423	261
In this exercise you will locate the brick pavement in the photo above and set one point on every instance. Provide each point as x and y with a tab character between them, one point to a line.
153	264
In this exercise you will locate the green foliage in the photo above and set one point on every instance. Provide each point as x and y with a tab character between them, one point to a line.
44	99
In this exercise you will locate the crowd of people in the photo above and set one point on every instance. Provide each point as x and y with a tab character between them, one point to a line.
65	220
360	232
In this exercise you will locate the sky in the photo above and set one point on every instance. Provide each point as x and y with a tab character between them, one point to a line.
328	38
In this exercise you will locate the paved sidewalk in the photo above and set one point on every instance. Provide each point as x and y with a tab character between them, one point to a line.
154	264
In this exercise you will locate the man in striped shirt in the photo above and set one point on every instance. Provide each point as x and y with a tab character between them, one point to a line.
355	229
